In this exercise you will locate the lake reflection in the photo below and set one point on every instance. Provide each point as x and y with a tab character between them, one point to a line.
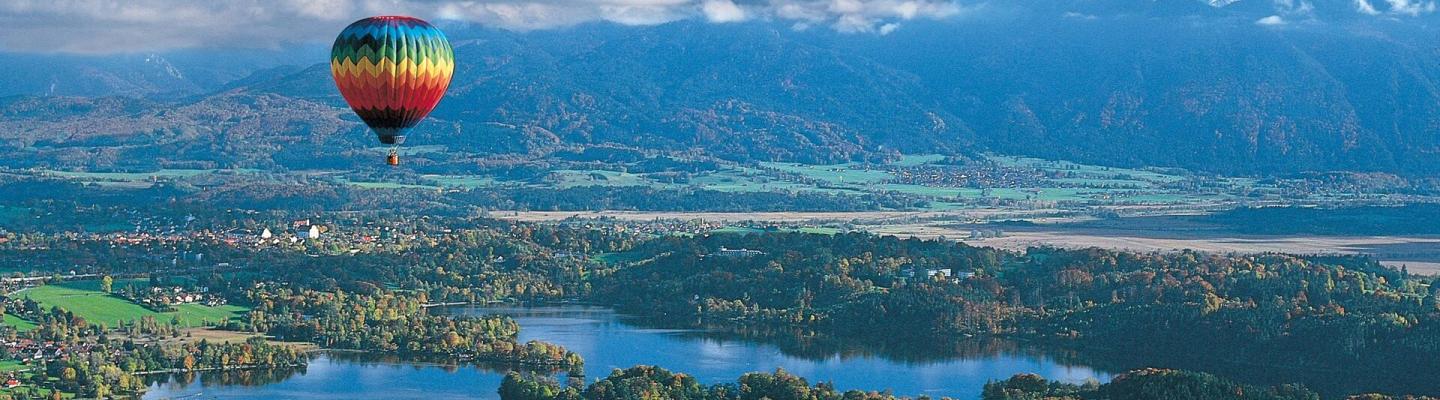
608	341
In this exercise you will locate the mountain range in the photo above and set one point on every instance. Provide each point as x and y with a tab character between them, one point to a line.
1235	87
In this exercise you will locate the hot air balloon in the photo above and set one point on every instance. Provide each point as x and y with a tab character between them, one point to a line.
392	70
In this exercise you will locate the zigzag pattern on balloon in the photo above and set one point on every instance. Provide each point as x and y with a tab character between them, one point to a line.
392	70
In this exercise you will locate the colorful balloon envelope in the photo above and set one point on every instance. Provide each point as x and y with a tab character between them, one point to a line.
392	70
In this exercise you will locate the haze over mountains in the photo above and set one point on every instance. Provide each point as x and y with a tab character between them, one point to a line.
1247	87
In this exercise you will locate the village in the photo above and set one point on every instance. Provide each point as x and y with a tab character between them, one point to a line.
165	298
176	245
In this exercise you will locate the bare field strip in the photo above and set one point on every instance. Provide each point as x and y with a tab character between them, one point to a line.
1418	253
773	216
544	216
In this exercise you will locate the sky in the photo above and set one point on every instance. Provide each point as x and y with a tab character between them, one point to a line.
131	26
118	26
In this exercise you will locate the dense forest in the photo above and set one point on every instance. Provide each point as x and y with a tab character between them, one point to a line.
1142	384
394	324
646	382
1151	383
1267	309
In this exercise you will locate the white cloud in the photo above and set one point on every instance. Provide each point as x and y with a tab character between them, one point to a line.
1273	20
880	16
722	11
108	26
1410	8
1302	7
1364	7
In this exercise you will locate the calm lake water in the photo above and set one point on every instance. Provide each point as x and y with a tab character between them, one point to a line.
608	340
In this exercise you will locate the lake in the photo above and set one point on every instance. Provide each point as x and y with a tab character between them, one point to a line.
609	340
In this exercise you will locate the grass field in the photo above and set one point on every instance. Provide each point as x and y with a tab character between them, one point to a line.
1082	183
134	180
197	314
1091	171
409	150
12	366
386	185
129	176
745	180
577	178
19	324
84	300
619	258
910	160
30	392
817	230
740	230
834	174
464	181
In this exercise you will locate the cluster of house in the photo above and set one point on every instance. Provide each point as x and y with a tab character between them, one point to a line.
158	296
370	234
300	229
976	234
980	177
948	274
143	238
735	253
29	351
12	284
654	227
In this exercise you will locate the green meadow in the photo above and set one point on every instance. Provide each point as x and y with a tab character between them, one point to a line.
19	324
619	258
734	230
741	230
407	150
128	176
834	174
386	185
12	366
85	300
565	178
462	181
